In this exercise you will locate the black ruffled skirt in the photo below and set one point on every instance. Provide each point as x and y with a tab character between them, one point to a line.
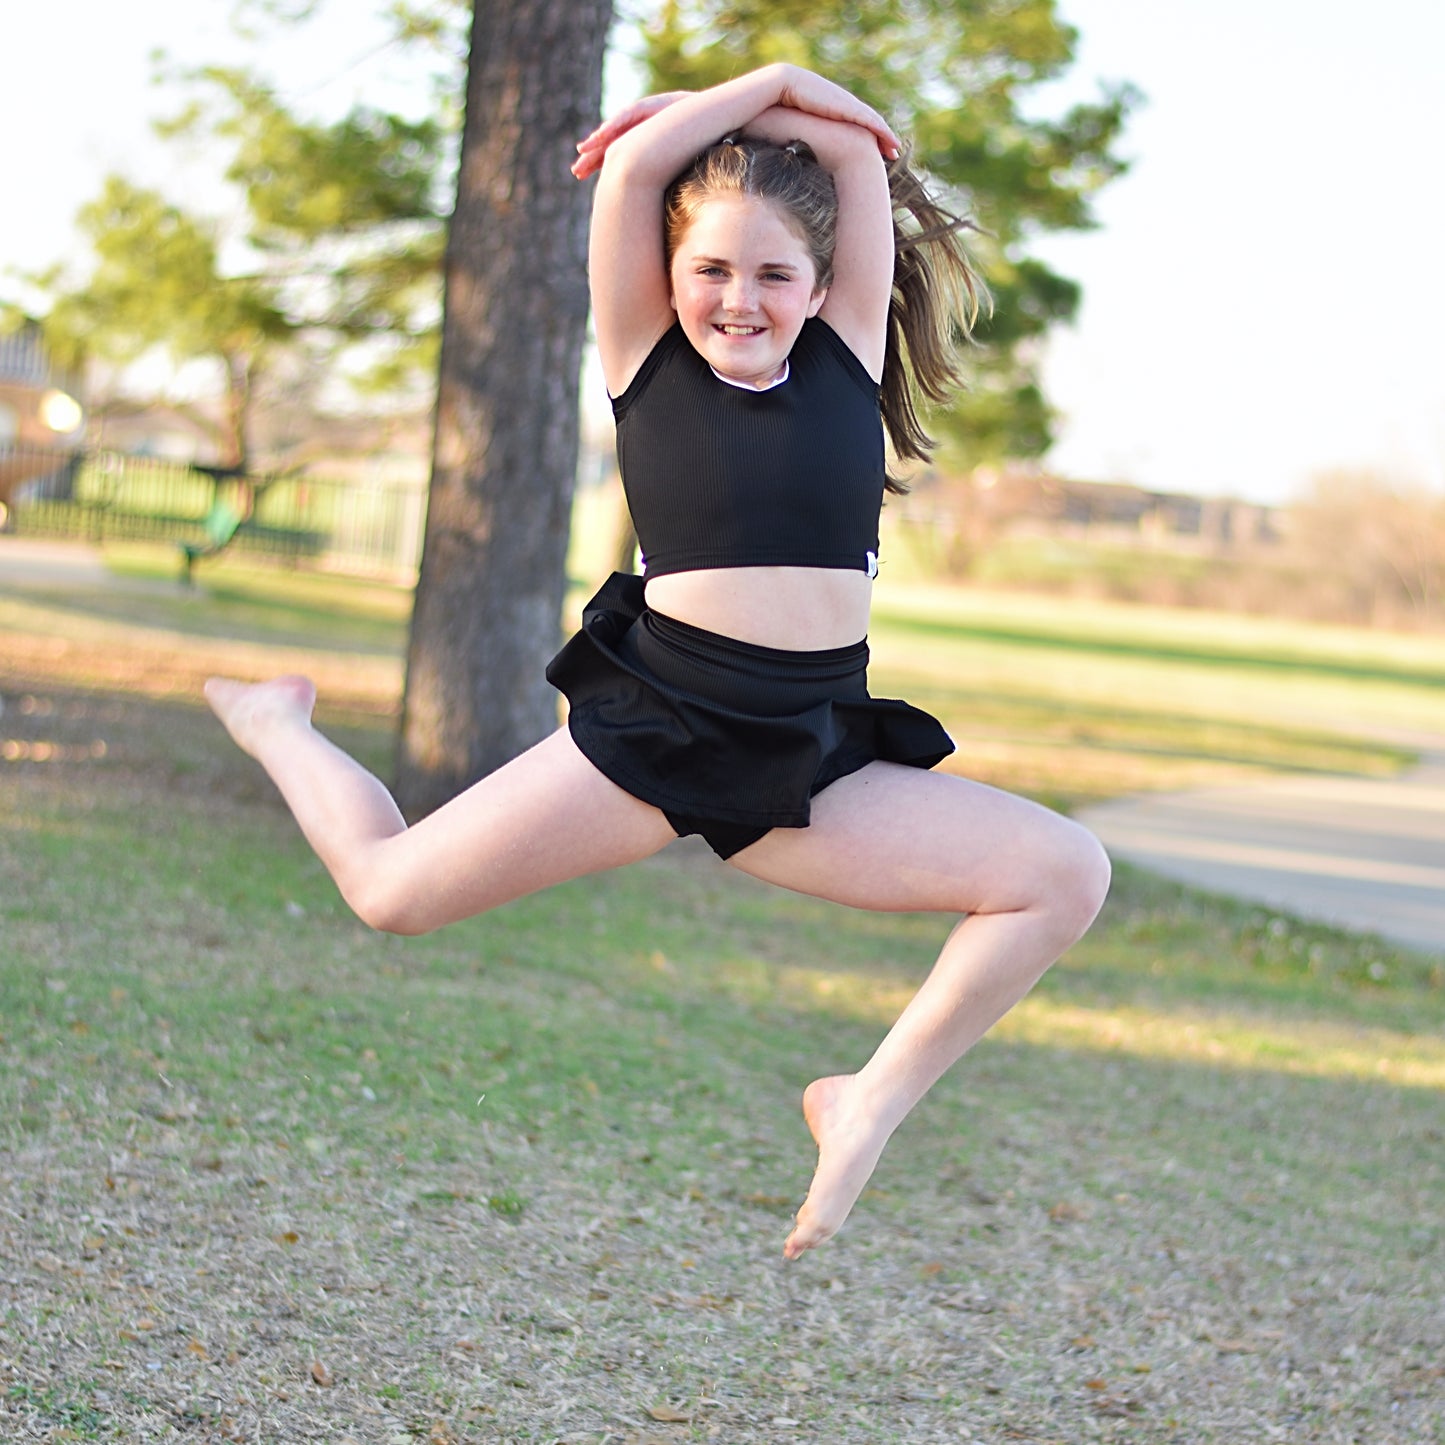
729	739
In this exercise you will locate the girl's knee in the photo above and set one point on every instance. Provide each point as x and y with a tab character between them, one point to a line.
1079	876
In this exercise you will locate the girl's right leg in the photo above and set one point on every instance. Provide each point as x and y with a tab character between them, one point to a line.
546	816
899	839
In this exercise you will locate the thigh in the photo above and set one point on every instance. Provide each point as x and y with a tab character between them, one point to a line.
543	818
894	838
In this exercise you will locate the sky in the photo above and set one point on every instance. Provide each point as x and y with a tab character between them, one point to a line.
1264	299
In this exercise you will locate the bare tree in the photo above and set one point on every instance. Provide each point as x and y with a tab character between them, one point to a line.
505	453
1373	548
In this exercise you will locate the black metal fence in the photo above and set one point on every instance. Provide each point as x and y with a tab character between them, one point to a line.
111	496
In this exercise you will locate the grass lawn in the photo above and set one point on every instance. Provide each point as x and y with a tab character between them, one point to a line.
266	1176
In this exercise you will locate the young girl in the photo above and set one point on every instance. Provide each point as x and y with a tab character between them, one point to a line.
750	334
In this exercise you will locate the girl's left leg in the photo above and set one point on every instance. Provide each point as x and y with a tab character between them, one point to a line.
891	838
546	816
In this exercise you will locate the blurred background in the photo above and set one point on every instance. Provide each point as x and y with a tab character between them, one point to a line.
1213	377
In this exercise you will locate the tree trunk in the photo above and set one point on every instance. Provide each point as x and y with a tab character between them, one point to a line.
235	430
489	598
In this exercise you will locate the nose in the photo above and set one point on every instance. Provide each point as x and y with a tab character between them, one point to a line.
739	294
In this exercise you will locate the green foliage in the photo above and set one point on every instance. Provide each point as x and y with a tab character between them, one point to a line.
304	179
339	259
952	75
157	282
349	215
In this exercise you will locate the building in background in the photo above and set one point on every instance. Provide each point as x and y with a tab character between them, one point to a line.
42	422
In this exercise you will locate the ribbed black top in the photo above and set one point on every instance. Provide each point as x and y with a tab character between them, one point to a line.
720	476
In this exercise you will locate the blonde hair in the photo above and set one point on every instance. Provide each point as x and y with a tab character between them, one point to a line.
937	294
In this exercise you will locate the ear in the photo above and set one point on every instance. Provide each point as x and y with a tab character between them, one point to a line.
815	305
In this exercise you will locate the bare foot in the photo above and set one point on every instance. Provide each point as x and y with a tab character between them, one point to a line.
848	1148
253	711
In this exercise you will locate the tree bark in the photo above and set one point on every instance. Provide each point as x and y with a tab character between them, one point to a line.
489	598
235	432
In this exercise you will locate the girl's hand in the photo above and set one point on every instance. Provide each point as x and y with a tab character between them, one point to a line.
805	91
590	152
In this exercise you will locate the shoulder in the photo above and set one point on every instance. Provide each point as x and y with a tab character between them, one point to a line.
670	347
819	341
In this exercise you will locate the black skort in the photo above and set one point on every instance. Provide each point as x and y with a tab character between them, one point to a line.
728	739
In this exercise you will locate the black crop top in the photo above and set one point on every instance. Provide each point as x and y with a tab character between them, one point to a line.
723	476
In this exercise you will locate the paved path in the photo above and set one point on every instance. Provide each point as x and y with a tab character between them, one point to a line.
33	559
1367	854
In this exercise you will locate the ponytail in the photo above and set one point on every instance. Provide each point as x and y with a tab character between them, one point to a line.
937	296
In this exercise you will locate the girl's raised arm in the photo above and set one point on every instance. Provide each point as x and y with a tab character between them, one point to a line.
640	152
856	306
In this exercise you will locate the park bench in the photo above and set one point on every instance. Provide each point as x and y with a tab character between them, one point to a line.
218	528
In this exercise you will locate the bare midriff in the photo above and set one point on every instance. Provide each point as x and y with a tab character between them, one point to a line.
800	609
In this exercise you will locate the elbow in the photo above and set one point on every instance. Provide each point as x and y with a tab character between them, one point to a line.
386	908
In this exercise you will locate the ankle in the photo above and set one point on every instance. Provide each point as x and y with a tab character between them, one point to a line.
876	1101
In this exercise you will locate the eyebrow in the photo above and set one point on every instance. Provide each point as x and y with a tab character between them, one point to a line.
723	261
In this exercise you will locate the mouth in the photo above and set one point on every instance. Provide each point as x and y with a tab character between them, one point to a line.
739	330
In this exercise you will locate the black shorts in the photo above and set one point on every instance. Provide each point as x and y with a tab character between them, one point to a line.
729	739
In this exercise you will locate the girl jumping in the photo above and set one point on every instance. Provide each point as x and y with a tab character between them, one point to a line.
770	288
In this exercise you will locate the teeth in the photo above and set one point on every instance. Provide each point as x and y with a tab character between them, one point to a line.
740	330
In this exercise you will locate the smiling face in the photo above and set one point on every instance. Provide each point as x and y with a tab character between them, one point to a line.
743	283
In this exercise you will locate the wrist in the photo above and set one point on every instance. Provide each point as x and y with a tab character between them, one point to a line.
782	77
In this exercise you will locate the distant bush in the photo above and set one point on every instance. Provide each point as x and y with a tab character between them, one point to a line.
1360	548
1372	549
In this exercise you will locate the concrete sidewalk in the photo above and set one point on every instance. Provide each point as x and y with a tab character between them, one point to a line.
35	559
48	563
1365	854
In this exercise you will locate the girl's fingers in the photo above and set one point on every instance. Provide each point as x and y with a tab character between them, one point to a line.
870	120
822	97
591	149
629	116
